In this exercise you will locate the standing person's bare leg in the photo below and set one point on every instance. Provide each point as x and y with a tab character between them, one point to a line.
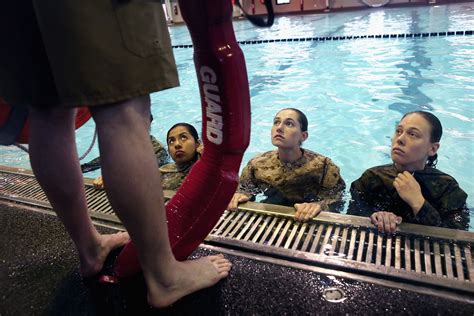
55	164
133	185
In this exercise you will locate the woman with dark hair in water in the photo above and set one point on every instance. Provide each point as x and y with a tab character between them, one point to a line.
184	147
291	175
411	189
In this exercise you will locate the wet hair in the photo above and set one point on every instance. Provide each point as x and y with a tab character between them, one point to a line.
189	127
302	119
435	134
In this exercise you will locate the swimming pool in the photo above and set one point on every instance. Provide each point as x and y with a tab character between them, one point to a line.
353	91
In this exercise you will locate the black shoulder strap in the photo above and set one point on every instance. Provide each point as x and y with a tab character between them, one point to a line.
258	21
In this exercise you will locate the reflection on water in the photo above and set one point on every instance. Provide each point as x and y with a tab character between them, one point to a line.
413	99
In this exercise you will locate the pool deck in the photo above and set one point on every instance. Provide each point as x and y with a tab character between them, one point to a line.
39	275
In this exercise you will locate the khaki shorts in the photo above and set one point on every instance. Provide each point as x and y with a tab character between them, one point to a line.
87	52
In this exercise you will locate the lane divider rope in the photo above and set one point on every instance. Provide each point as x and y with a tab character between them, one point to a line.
347	37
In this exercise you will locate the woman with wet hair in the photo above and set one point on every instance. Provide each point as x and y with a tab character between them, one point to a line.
184	147
410	188
291	175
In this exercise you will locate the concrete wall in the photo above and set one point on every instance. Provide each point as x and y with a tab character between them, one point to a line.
352	4
174	12
257	7
299	6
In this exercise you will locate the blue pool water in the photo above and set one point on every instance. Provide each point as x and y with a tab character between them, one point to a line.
353	91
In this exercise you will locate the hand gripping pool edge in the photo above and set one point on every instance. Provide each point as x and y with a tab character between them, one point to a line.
225	102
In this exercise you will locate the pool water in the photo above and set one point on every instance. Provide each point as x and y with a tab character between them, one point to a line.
353	91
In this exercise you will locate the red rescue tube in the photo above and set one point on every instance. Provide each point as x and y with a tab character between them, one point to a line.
82	116
225	101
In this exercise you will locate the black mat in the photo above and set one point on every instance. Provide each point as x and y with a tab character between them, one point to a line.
39	276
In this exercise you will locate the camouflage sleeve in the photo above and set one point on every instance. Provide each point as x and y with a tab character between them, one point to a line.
170	181
160	151
248	183
92	165
359	204
452	213
332	188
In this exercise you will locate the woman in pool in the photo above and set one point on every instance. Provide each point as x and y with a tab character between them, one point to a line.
291	175
411	189
184	148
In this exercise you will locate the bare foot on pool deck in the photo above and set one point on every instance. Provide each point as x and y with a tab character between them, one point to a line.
92	262
187	277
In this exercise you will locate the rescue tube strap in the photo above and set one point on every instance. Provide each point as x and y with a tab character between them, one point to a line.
90	146
258	21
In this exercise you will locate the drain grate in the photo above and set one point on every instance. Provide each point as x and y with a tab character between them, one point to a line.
20	185
404	252
425	255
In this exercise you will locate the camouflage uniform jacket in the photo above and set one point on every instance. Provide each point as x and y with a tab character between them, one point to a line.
160	153
172	176
445	201
311	178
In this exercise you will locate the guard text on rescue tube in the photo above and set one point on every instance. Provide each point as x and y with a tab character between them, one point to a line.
213	108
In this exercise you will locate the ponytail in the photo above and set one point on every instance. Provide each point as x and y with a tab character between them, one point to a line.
432	161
